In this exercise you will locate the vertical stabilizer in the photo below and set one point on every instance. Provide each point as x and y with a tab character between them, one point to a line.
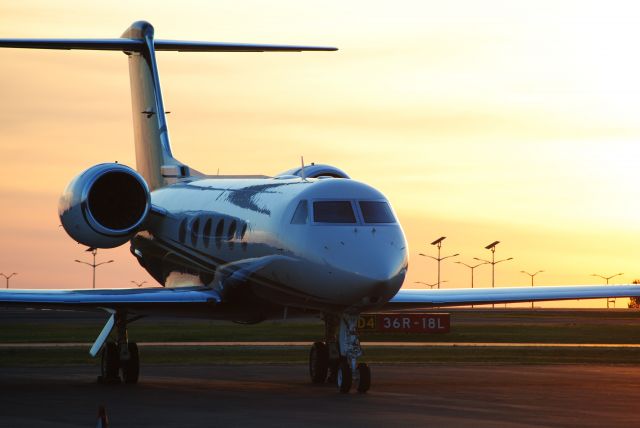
154	160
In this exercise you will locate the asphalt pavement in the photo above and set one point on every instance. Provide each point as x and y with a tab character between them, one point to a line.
429	395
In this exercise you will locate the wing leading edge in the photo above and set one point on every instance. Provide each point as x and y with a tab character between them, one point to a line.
417	298
130	298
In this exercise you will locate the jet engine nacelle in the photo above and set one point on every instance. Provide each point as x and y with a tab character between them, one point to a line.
105	205
315	171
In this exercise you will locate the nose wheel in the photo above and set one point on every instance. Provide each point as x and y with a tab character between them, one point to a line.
336	359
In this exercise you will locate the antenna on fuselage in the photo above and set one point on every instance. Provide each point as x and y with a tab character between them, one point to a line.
302	169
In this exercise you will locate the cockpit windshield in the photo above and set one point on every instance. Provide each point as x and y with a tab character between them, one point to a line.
333	212
376	212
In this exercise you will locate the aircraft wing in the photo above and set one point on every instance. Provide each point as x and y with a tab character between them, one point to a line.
175	301
423	298
141	300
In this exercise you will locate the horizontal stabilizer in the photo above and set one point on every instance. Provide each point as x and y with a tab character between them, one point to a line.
174	45
136	45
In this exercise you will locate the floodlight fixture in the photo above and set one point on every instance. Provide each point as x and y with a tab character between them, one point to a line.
439	240
472	268
427	284
607	278
532	275
492	246
493	263
8	277
93	265
438	243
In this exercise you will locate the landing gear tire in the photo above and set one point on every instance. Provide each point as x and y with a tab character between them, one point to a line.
364	378
344	376
131	367
110	364
318	362
333	371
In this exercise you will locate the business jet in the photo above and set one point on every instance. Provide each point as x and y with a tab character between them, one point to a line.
310	241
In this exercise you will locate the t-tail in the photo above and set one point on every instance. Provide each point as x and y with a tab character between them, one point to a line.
154	159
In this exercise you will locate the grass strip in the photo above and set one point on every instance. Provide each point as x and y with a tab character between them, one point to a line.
195	331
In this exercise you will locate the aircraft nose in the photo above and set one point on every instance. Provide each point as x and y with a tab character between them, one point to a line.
379	264
384	278
368	264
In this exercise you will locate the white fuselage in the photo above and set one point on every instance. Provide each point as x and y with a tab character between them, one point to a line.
205	230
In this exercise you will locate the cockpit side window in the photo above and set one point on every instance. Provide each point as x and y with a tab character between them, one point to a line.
301	214
376	212
333	212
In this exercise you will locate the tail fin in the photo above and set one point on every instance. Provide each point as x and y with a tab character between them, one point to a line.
154	160
153	151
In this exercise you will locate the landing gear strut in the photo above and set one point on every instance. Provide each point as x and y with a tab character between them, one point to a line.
336	359
120	356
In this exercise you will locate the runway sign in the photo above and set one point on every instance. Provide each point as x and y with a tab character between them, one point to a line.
405	323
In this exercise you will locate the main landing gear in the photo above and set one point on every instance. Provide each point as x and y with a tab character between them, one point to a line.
120	356
335	359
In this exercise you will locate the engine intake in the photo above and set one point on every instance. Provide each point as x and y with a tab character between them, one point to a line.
315	171
105	205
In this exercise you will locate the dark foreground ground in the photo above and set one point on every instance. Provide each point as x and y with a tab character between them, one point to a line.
428	395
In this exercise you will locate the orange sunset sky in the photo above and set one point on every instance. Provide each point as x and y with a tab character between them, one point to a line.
480	121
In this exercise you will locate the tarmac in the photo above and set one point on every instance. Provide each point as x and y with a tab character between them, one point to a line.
428	395
425	395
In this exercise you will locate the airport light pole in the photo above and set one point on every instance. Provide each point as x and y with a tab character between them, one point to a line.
607	278
428	285
472	268
94	265
139	284
532	275
493	263
7	278
438	243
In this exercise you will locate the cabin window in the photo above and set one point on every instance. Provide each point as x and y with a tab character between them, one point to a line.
219	233
231	233
232	230
244	243
301	213
206	232
195	230
376	212
333	212
182	230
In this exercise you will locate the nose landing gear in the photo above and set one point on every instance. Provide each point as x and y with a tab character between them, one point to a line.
336	359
